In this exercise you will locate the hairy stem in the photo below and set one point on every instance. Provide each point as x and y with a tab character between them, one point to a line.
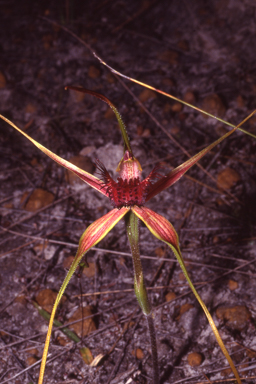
140	289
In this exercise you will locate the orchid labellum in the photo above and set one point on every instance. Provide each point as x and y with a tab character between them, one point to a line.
128	195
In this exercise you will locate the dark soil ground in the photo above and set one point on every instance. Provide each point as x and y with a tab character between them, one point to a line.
201	51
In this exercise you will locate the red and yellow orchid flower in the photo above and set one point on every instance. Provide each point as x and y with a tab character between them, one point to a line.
128	194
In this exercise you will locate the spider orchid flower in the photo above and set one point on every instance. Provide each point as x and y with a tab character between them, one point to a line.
128	194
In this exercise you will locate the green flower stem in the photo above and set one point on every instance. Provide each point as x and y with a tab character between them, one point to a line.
139	286
152	333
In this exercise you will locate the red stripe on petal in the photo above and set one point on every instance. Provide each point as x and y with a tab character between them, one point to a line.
99	229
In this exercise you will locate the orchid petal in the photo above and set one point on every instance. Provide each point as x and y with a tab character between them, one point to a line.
162	229
92	236
127	146
93	181
177	173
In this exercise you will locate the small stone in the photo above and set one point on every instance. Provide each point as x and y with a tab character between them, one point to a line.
8	205
86	151
160	251
62	341
82	162
170	296
32	356
30	360
93	72
233	285
46	249
138	353
235	317
167	81
215	239
182	276
226	372
33	351
21	299
183	309
240	101
213	105
175	130
85	327
39	248
169	56
109	114
140	130
30	108
146	133
90	271
147	94
177	107
67	262
167	109
189	97
251	354
195	359
38	199
77	96
227	178
110	78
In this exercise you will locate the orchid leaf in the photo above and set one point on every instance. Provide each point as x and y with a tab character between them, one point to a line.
93	181
92	236
126	140
164	231
170	96
177	173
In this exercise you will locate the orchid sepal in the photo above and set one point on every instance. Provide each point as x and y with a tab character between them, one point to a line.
173	176
92	236
92	180
170	96
162	229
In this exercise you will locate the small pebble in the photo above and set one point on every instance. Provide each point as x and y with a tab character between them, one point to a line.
227	178
195	359
235	317
170	296
233	285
